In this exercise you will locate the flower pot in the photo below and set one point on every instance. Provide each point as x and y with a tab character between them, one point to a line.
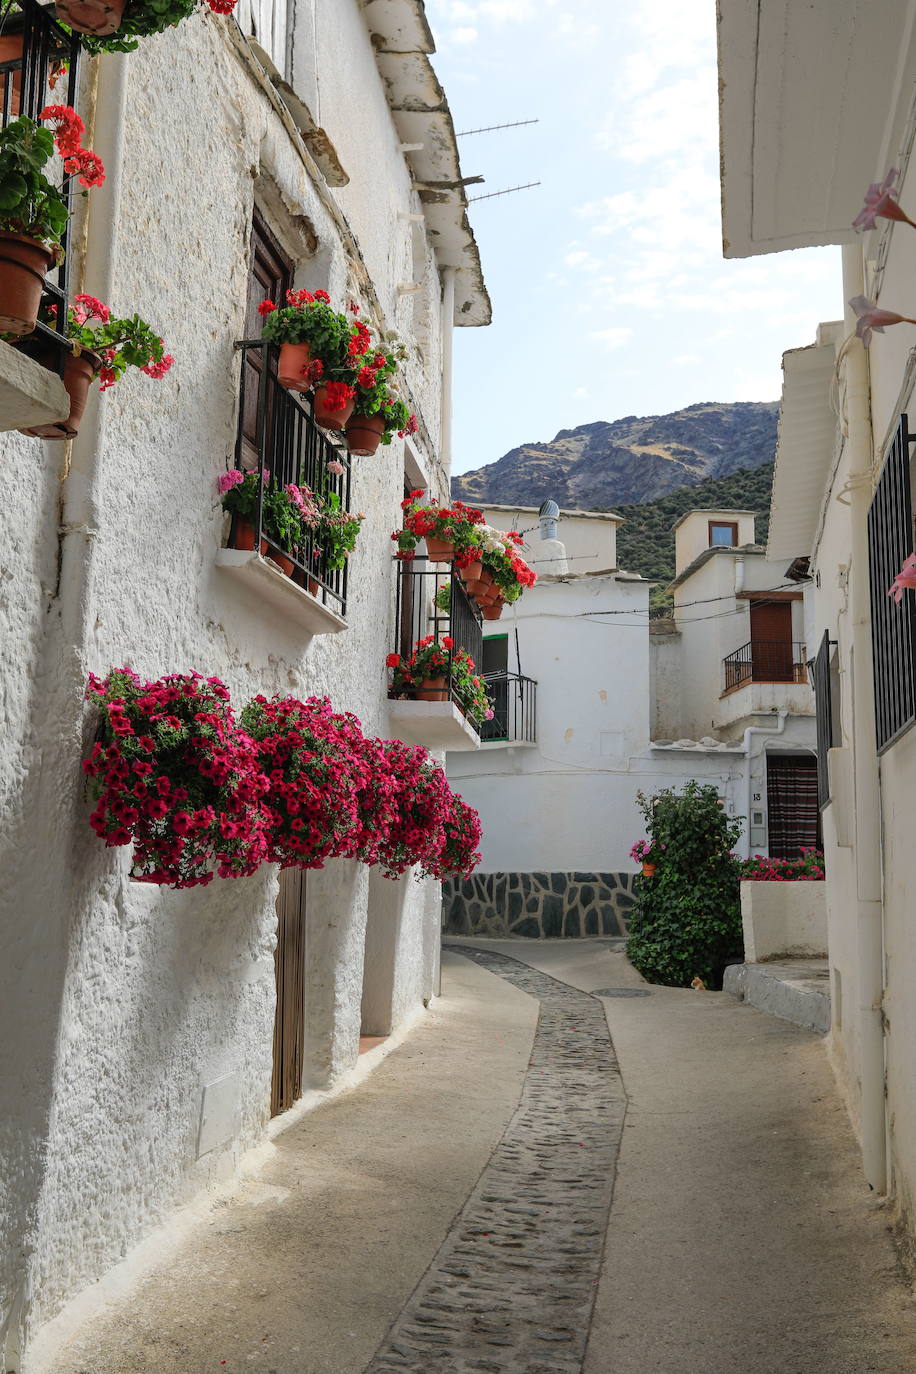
292	366
79	374
10	50
91	16
314	586
432	689
243	535
282	560
23	264
471	574
439	550
330	419
492	612
648	870
364	434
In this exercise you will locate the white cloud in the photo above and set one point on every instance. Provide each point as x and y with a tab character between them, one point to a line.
464	35
612	338
686	359
580	391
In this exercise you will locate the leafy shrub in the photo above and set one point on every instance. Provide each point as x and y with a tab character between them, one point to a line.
687	922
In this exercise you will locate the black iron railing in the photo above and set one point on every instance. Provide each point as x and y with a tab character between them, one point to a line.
824	706
893	627
277	434
44	51
765	660
514	699
431	600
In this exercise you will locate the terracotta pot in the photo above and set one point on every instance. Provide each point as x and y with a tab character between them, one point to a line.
91	16
364	434
292	367
23	264
79	374
432	689
648	870
486	576
330	419
243	535
492	612
314	586
10	50
488	597
282	560
471	574
476	588
439	550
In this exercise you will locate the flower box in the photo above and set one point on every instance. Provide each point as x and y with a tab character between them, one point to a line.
784	920
271	587
435	724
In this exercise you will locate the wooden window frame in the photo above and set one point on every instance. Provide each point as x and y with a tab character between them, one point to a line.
722	525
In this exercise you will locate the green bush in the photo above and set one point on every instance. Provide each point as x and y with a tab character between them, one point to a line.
687	921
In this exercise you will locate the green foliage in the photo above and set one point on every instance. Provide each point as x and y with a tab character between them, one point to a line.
282	520
687	922
645	544
337	532
326	331
142	18
29	203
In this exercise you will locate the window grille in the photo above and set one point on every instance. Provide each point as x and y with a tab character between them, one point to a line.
893	627
823	700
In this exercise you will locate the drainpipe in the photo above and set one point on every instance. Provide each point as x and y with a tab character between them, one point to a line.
748	736
739	573
870	913
448	325
99	262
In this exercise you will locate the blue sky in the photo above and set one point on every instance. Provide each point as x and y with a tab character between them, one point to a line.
610	293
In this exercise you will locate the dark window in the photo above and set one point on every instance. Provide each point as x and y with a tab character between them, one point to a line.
269	278
826	734
495	654
893	627
723	534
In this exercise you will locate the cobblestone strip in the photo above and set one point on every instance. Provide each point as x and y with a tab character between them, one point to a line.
512	1287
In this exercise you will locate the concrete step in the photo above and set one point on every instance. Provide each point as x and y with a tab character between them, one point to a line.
797	990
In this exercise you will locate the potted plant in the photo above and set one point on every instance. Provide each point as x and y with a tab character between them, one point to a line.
239	497
647	855
336	532
116	25
104	346
286	514
33	211
423	674
505	573
468	686
448	530
319	348
378	413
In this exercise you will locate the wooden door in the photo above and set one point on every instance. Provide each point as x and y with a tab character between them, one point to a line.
289	965
771	641
269	278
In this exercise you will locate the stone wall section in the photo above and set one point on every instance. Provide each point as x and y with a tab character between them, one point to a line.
538	906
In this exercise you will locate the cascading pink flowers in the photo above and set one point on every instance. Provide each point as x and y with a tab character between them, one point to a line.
292	783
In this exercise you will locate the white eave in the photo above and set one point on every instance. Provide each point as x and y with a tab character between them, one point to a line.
805	93
804	449
402	41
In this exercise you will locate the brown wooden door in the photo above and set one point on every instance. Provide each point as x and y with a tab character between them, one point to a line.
289	964
771	641
269	278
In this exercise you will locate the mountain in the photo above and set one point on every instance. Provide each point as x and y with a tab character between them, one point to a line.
635	459
645	542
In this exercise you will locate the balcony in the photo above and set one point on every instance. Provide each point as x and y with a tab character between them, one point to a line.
35	48
514	710
431	600
764	660
762	678
278	436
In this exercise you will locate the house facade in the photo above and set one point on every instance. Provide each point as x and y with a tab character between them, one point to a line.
796	165
147	1034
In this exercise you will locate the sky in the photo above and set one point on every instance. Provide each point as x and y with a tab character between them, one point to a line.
610	293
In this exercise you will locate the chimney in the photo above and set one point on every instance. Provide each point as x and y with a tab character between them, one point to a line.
548	516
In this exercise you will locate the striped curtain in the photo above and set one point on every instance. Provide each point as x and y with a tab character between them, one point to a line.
792	809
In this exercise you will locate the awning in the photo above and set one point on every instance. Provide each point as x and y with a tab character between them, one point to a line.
804	449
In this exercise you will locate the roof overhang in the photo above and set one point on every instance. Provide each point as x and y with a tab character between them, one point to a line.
805	94
402	42
804	450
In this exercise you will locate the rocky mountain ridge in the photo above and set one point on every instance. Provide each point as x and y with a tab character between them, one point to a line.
634	459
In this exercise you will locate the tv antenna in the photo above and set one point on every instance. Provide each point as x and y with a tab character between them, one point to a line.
493	128
507	192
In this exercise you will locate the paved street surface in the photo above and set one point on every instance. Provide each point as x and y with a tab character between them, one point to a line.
500	1198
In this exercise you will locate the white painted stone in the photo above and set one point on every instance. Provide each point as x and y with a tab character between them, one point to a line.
784	920
29	393
434	724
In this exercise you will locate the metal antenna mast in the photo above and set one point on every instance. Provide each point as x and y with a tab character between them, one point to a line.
507	192
492	128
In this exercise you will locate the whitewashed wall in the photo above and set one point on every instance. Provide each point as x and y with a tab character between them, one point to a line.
119	1002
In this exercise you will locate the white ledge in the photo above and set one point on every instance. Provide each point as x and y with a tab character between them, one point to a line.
267	582
437	724
29	393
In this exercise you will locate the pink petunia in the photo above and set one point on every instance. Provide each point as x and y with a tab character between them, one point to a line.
871	317
227	480
905	578
880	203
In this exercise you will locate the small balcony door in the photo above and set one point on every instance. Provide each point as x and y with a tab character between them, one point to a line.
771	641
289	1018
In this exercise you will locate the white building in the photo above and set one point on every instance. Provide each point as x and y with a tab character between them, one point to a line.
833	109
137	1023
731	667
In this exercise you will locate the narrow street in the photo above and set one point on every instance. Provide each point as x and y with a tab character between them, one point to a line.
500	1196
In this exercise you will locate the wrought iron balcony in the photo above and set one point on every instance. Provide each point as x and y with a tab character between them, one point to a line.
47	52
278	436
514	701
764	660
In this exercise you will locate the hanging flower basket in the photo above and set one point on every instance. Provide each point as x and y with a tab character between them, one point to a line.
79	374
439	550
364	434
470	573
648	870
333	405
11	46
293	366
100	17
492	612
23	265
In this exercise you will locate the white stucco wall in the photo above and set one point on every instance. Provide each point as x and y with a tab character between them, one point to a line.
590	539
120	1002
784	920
